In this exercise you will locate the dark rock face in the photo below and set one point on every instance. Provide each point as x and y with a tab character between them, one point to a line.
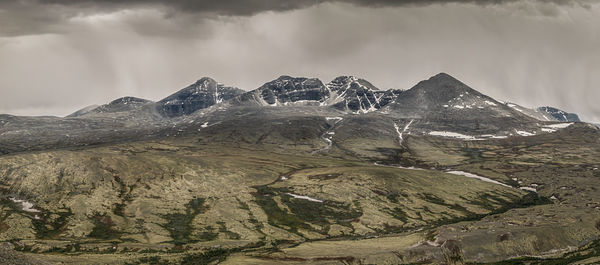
346	93
560	115
358	95
200	95
287	89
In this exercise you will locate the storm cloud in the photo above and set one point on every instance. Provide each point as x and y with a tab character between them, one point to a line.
56	56
54	16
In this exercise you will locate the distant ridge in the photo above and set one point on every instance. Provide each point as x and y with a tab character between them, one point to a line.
560	115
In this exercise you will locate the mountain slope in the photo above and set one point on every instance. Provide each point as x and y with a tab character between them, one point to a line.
534	113
83	111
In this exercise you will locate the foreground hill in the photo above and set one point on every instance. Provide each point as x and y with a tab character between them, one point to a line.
299	171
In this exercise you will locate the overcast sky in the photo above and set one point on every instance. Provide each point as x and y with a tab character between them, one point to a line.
56	57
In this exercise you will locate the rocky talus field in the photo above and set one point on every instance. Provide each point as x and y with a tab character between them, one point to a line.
302	172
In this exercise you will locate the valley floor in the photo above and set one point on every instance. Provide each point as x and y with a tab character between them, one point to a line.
188	201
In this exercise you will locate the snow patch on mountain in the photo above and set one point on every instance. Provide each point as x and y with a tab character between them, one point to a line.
555	127
528	189
357	96
296	196
525	133
471	175
491	136
452	135
559	125
400	133
25	205
515	107
334	118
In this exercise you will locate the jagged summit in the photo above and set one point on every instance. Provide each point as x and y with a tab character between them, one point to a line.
348	81
202	94
349	93
286	90
346	93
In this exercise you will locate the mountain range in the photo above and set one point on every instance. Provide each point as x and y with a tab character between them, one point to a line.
444	102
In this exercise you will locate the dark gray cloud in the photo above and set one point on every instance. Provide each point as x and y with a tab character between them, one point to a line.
52	16
250	7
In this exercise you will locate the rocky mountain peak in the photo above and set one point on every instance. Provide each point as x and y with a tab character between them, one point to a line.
202	94
357	95
205	83
444	76
443	97
342	83
287	89
440	90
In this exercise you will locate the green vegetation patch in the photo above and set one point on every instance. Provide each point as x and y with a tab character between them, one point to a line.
213	256
474	154
223	229
47	225
399	214
47	228
276	216
303	211
104	227
323	213
179	225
